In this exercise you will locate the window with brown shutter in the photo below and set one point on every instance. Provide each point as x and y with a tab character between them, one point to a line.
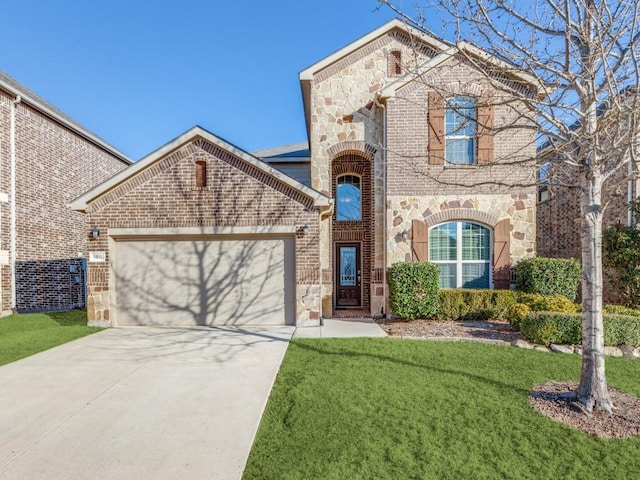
201	174
502	254
485	131
436	129
419	241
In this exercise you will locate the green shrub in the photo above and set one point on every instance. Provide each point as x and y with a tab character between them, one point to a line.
468	304
621	330
413	289
621	310
621	257
517	313
554	303
552	327
549	276
566	328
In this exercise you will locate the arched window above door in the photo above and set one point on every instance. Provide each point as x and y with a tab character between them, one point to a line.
348	198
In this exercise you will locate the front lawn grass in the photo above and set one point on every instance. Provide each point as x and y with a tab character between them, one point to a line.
400	409
22	335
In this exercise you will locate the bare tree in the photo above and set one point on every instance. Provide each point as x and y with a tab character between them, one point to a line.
584	55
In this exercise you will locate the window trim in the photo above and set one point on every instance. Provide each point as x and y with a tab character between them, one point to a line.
359	186
473	137
458	261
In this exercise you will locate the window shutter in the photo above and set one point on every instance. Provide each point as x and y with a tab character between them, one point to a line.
436	129
485	131
501	254
419	241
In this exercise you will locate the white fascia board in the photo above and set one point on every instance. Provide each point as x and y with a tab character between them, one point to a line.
308	73
80	203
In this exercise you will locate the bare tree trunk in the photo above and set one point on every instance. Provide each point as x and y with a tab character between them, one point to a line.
592	391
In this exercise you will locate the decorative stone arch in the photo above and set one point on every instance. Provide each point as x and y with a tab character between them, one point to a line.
461	214
352	147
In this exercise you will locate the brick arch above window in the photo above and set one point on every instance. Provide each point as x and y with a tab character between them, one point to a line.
352	147
461	214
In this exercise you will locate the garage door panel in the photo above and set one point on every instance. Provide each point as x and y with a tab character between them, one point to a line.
230	281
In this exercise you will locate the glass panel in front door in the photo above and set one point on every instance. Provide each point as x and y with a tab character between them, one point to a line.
348	266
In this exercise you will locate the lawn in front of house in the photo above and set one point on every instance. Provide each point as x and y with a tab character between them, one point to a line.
22	335
400	409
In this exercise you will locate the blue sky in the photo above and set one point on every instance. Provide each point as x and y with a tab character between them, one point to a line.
139	73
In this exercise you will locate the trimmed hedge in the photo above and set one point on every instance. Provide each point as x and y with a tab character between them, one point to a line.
549	276
566	328
481	304
413	289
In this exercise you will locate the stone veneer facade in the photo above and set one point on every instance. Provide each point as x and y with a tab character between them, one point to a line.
348	117
164	196
345	119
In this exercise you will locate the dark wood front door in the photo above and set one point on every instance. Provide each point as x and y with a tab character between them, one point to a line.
348	275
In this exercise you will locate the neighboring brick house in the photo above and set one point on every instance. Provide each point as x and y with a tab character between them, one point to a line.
559	220
404	132
46	160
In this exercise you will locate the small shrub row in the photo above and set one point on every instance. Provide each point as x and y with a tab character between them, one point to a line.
481	304
413	289
534	302
549	276
566	328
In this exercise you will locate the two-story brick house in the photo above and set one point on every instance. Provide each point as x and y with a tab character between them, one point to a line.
408	157
46	160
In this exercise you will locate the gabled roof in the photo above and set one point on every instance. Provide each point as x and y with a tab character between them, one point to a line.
466	49
446	50
306	76
81	203
16	89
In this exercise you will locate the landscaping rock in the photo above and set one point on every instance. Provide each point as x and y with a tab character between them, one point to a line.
613	351
521	344
541	348
561	348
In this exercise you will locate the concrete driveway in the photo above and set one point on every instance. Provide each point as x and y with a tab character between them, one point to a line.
139	403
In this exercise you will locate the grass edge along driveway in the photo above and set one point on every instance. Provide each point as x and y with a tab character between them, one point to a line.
22	335
396	409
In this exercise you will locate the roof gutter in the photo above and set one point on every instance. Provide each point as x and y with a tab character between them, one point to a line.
62	121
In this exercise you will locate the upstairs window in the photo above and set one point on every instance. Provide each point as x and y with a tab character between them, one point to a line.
395	63
460	131
348	198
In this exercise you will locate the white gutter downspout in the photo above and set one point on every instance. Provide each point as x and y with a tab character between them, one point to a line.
12	193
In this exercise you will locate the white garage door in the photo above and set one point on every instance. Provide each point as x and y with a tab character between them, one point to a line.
223	280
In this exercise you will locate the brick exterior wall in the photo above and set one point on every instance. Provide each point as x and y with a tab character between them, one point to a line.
559	219
503	189
237	194
54	165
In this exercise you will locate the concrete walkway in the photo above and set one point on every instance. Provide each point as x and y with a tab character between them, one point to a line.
342	328
139	403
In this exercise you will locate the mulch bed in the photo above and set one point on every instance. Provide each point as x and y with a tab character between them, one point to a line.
552	399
